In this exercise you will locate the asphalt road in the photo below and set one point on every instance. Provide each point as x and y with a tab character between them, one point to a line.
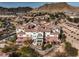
7	35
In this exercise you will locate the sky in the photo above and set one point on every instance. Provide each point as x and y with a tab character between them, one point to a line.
29	4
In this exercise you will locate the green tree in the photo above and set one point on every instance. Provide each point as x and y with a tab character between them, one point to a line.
28	52
13	39
61	33
14	54
1	24
63	38
10	48
71	51
6	49
52	16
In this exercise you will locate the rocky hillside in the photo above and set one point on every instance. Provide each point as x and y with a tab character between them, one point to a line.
15	10
61	6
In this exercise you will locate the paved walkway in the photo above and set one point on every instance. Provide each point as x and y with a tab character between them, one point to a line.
52	53
44	52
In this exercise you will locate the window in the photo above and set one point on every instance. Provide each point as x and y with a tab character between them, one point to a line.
77	39
21	38
19	41
39	35
74	38
39	44
71	31
39	41
71	36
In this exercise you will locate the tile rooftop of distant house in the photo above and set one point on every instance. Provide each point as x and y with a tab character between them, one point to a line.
32	27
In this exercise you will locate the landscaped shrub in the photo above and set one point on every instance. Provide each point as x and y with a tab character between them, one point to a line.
48	46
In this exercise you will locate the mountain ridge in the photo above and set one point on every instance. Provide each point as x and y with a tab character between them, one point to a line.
58	7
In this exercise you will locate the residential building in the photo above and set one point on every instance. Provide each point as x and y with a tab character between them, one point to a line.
37	32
